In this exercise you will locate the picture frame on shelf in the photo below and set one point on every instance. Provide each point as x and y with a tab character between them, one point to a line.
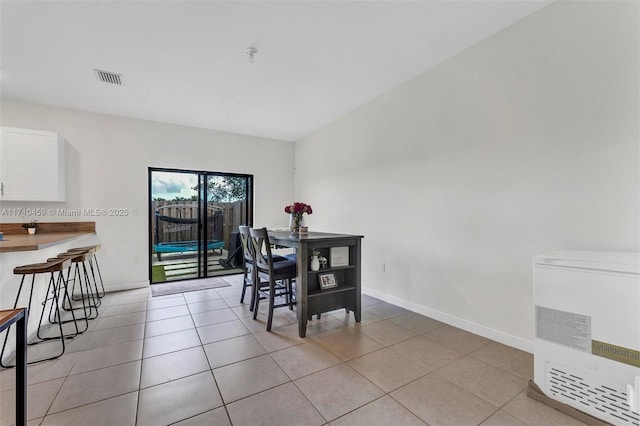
339	256
327	281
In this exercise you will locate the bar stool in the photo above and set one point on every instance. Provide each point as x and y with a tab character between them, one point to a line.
89	294
52	295
67	304
94	248
54	316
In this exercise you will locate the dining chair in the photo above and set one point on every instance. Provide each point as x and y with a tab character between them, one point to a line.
247	264
274	278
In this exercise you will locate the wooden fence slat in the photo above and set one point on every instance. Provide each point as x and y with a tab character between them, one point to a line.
233	215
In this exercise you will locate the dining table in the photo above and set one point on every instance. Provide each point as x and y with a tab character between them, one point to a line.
18	317
337	285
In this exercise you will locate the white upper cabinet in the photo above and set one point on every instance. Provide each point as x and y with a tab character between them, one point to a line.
31	165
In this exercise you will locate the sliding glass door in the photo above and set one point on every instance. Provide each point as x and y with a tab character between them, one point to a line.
193	223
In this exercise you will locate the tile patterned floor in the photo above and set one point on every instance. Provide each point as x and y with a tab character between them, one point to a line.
199	359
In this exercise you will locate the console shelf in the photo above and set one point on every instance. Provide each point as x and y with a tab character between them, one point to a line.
312	300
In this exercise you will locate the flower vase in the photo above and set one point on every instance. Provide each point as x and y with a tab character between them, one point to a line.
296	220
31	231
315	263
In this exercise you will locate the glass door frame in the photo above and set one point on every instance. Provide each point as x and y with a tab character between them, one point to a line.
202	232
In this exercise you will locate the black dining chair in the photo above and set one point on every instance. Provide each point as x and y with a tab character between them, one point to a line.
247	263
274	278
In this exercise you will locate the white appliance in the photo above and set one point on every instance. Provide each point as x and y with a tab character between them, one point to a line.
587	332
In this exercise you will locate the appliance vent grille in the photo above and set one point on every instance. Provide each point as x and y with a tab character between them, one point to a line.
589	394
109	77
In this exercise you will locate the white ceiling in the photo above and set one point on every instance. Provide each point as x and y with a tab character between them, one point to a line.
184	62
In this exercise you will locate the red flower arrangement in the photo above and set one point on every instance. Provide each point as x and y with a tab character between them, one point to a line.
298	208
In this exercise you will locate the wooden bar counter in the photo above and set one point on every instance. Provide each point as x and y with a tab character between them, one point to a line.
48	234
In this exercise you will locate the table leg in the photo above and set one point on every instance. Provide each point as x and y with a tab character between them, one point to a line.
301	288
302	325
301	303
21	369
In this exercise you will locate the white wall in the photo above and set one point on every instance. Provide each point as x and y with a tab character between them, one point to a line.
525	143
106	167
107	159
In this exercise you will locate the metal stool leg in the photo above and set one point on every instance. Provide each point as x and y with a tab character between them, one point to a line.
55	288
62	285
94	293
15	305
99	274
69	307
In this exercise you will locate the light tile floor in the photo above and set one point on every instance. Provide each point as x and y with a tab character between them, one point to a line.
198	358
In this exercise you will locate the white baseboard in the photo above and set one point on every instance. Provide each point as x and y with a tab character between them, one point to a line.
472	327
125	286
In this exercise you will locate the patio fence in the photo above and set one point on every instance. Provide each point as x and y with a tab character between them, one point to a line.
233	214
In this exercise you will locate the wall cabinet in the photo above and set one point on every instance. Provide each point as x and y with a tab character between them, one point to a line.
32	165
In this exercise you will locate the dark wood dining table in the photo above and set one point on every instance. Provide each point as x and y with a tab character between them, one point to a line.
19	317
345	271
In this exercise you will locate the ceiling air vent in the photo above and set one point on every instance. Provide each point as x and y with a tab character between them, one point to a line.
109	77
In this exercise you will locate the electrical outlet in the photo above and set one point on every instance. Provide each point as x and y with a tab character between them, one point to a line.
135	259
382	266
